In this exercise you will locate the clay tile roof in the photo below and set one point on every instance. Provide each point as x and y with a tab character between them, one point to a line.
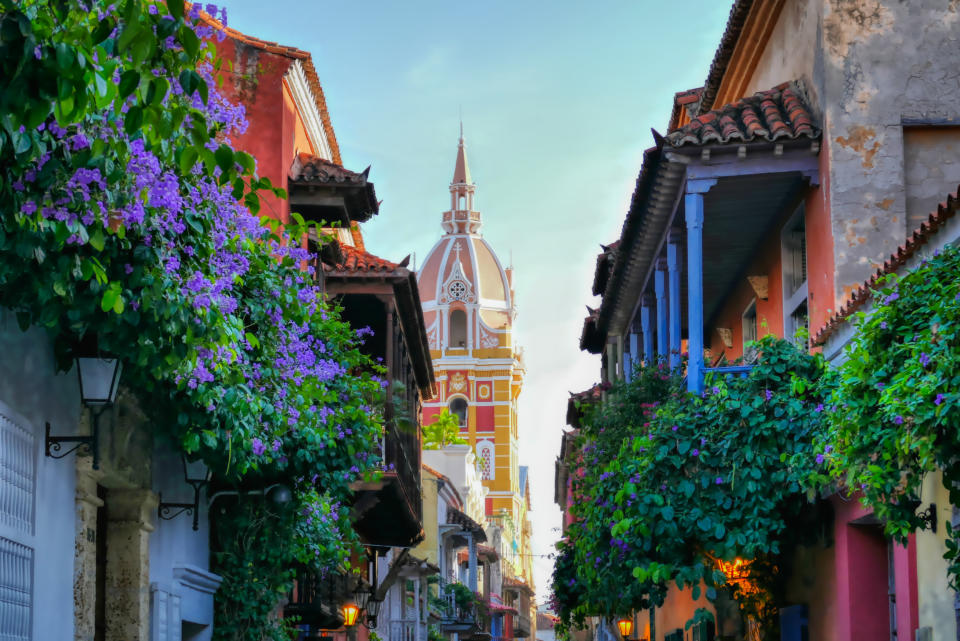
767	116
738	17
604	262
434	472
689	100
590	396
509	582
294	54
590	339
313	169
937	219
356	261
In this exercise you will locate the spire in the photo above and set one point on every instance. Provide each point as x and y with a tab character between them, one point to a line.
461	173
462	218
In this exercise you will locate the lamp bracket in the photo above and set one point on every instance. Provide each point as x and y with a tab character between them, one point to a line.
170	511
929	516
53	445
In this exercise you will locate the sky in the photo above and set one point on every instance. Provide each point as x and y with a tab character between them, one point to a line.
557	99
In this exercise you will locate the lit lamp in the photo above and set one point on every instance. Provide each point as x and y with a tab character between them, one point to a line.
735	571
99	380
350	614
197	475
625	625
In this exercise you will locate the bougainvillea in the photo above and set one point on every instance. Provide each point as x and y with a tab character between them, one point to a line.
685	482
129	220
896	409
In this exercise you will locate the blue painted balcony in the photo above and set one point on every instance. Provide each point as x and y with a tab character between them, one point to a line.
709	195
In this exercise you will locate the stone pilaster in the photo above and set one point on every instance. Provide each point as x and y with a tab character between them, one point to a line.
130	515
85	550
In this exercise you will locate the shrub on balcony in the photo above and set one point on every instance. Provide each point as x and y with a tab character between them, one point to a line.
896	406
670	484
126	214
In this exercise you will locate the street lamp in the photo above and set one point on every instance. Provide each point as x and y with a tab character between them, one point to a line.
196	474
350	614
99	380
625	625
362	595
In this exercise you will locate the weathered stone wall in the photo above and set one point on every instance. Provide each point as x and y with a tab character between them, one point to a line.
792	53
886	64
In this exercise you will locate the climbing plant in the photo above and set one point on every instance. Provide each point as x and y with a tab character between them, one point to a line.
895	407
129	220
671	484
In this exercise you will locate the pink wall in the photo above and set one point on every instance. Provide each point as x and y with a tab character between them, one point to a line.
862	605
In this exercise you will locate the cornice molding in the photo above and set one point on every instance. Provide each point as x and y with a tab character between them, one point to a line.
296	79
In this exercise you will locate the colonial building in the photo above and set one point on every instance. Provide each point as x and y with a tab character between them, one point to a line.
469	309
811	153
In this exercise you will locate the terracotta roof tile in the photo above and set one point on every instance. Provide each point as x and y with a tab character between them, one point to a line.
735	22
589	338
776	114
313	169
602	272
295	54
586	397
937	219
684	101
356	261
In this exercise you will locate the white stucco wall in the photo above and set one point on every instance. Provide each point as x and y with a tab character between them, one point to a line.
34	395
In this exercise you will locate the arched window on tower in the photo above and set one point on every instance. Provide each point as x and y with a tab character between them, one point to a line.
458	329
486	460
458	407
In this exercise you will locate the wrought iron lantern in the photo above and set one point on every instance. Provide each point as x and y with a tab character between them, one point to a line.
373	610
361	596
625	625
350	613
197	475
99	379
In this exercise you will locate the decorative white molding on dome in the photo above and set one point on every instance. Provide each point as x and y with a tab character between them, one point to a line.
457	287
433	336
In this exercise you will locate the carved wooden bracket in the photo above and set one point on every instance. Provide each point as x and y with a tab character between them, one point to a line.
726	335
760	285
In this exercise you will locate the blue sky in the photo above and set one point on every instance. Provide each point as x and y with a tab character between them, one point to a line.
558	99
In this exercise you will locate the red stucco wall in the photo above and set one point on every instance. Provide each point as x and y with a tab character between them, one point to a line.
821	287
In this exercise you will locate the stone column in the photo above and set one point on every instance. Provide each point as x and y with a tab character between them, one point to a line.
130	521
85	550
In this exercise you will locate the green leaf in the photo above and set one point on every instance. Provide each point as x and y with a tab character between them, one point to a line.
133	119
667	513
175	7
188	159
224	156
130	31
97	240
129	81
188	38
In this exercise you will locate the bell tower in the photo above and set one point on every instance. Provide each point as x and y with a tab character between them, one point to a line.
461	219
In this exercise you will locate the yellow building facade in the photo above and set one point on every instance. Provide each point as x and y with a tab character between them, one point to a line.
468	306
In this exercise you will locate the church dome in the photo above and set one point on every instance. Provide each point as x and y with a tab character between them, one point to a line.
463	267
462	271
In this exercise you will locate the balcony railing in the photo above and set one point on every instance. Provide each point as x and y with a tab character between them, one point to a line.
316	599
521	626
408	630
453	616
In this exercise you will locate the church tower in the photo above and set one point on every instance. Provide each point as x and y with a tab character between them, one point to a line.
468	310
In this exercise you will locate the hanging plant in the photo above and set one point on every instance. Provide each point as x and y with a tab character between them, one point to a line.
895	409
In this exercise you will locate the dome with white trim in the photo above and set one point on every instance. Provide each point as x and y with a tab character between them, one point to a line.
463	272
